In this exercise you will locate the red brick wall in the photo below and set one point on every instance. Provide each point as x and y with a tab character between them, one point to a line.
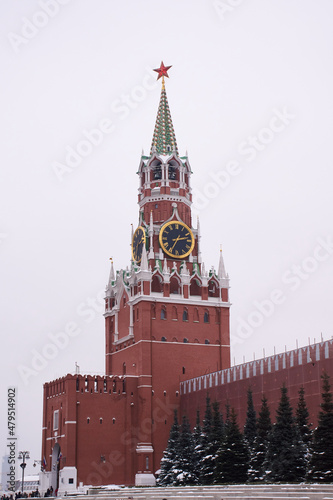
303	366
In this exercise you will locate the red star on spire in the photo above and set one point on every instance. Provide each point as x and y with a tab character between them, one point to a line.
162	70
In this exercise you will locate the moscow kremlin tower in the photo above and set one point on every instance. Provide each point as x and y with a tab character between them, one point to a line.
166	321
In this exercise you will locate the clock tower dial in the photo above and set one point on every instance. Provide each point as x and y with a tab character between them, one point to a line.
176	239
138	243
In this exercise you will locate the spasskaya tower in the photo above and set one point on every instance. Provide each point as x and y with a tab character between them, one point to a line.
166	315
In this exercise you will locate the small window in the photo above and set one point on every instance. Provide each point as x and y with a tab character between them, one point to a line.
185	340
156	205
207	341
206	317
88	420
113	420
164	393
70	480
163	339
185	314
163	313
56	420
183	370
100	420
147	463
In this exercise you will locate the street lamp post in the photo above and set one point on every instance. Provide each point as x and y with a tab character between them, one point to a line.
23	455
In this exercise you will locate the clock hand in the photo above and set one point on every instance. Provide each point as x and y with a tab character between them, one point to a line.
178	237
185	238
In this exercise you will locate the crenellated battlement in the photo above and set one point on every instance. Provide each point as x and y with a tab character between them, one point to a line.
276	363
86	384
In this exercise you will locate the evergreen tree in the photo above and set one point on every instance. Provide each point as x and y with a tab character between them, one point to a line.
232	457
227	416
285	454
170	463
217	429
302	418
250	427
321	463
303	425
207	458
187	474
264	427
198	450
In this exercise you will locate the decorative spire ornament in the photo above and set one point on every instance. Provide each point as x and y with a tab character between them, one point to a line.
221	272
164	139
162	72
112	276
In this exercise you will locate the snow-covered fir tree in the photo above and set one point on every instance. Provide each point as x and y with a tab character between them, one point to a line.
303	425
250	427
198	450
170	463
188	475
232	457
321	463
264	426
217	434
285	460
207	459
302	418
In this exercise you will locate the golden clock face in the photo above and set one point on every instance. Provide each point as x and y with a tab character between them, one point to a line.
176	239
138	243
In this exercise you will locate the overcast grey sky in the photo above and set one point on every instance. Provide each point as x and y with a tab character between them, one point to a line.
250	93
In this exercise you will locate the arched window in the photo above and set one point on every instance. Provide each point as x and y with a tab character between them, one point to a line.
206	316
195	287
196	315
213	288
124	368
174	313
153	311
174	285
157	285
157	172
171	173
163	312
185	314
163	339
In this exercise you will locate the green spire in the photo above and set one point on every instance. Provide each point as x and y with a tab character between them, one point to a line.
164	139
